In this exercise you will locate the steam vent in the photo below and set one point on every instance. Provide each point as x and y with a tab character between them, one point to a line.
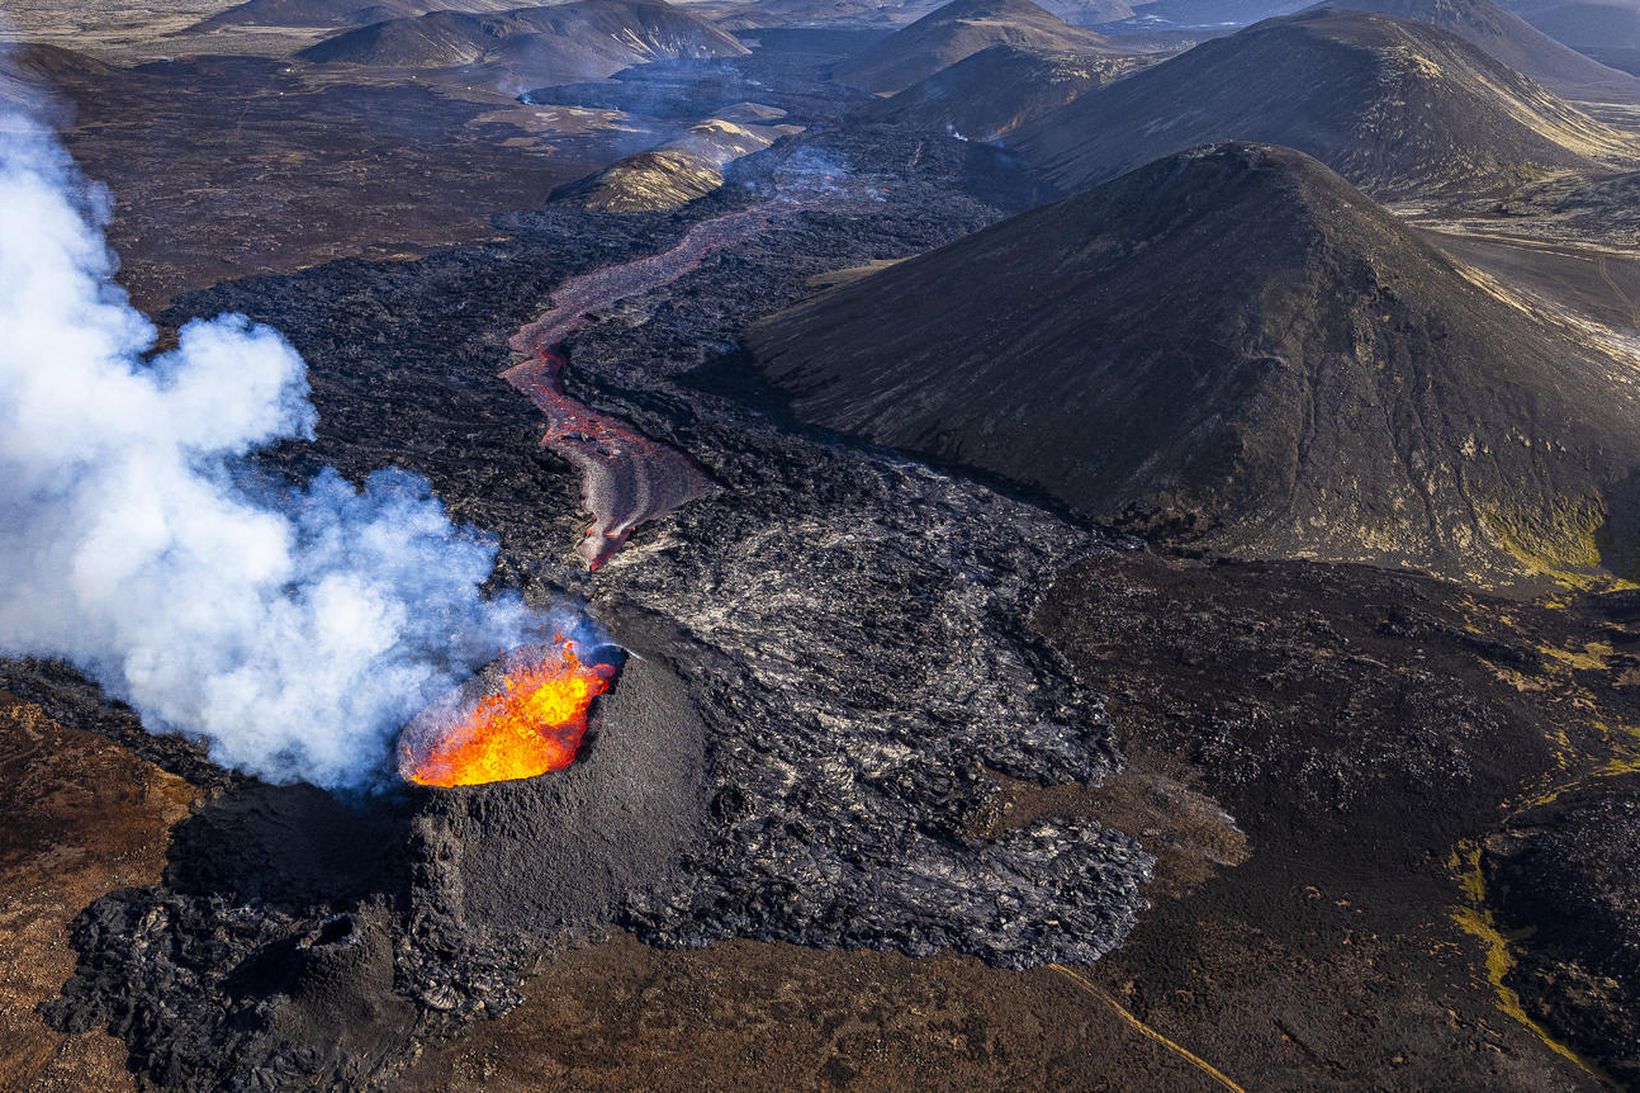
524	715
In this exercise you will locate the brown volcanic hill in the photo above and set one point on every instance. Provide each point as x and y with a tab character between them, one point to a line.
1235	348
1399	108
51	64
1515	42
958	30
997	90
579	40
31	76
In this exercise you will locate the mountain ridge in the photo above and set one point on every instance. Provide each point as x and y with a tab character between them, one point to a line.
1402	109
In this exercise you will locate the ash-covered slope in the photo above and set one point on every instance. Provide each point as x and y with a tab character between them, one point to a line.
958	30
1399	108
588	38
1234	347
1512	40
997	90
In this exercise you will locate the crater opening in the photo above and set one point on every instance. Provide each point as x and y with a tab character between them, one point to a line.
526	714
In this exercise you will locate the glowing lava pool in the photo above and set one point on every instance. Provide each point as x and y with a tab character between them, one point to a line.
523	716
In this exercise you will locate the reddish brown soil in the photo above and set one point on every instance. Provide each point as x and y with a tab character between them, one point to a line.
227	167
83	816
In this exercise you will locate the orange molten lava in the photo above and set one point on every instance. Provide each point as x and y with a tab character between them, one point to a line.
533	725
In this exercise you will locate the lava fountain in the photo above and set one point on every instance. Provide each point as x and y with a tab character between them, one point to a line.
524	715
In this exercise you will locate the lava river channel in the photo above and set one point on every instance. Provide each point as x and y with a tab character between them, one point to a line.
626	478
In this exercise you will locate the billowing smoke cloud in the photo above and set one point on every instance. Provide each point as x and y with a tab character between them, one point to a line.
293	629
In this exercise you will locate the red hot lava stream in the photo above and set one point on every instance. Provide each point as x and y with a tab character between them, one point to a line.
626	478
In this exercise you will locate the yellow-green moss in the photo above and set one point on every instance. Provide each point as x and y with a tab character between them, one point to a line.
1568	544
1476	919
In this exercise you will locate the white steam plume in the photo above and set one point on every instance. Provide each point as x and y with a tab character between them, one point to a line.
293	629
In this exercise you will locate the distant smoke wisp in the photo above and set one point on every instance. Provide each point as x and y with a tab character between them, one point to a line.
293	629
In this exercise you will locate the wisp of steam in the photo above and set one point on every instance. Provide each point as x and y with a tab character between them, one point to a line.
292	629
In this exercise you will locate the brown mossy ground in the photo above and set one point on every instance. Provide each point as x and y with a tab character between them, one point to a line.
83	816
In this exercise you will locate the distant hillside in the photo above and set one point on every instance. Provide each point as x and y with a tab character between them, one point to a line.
34	77
337	13
883	14
580	40
1515	42
958	30
1088	12
1607	32
1235	348
997	90
1216	13
1403	109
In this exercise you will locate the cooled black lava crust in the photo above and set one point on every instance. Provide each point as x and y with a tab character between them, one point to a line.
834	650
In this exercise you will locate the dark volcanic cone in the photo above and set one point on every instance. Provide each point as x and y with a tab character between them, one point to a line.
1237	348
305	942
1401	109
508	866
958	30
1517	43
999	89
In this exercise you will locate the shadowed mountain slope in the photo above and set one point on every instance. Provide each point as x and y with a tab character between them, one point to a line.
958	30
1235	348
1607	32
1512	40
997	90
1402	109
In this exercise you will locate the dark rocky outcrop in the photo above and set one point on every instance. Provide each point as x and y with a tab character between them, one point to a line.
1565	877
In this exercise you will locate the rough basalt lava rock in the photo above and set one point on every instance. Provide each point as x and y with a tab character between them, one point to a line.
1565	878
830	654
